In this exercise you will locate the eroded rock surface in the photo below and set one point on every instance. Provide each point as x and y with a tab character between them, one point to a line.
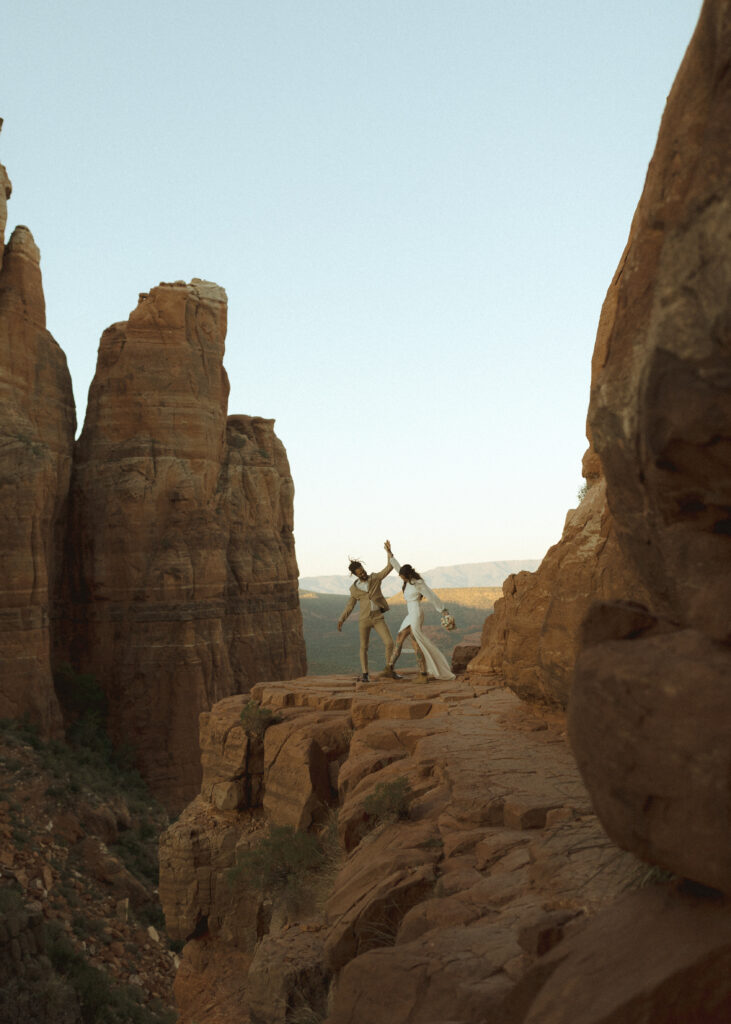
660	408
657	765
532	638
634	961
181	565
440	916
37	425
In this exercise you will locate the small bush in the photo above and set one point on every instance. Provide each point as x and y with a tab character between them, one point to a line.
280	862
138	856
256	719
21	731
582	492
101	1000
656	876
389	801
11	898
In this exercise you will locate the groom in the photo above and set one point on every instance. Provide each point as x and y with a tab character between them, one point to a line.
366	592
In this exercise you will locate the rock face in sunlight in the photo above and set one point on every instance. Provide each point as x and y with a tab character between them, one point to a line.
487	890
157	552
37	425
531	640
182	578
655	526
651	692
442	915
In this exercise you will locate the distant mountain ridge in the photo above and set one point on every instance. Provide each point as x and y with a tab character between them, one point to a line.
469	574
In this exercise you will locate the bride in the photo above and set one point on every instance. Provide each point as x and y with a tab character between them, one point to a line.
431	660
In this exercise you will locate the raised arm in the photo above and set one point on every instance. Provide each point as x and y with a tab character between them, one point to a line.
426	591
384	572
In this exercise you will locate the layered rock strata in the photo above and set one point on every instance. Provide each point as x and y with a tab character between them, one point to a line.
532	638
182	578
473	906
37	426
165	566
651	686
659	418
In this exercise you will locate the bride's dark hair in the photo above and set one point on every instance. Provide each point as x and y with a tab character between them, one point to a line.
410	573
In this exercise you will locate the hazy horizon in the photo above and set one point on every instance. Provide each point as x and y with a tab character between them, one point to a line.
464	574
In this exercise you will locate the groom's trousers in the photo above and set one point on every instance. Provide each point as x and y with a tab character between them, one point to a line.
365	626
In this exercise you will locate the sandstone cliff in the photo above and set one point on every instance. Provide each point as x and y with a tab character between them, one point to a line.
37	426
532	638
658	424
157	552
652	703
182	579
487	892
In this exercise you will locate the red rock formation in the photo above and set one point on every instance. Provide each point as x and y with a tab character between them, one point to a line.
183	579
654	691
444	916
37	426
532	638
650	958
6	189
262	621
660	409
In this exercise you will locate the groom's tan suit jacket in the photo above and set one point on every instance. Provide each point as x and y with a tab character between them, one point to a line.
367	593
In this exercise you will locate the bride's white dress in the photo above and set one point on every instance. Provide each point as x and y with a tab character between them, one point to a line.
436	664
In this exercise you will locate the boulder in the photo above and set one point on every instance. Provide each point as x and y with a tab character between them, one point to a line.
649	728
647	712
655	956
465	651
660	404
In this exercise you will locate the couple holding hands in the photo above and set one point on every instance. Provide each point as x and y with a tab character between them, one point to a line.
366	592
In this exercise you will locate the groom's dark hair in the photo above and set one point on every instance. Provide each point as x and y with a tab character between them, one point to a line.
354	566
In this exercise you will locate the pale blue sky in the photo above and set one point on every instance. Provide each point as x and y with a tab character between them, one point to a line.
415	207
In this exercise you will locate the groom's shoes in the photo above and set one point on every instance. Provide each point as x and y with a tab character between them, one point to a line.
365	678
390	673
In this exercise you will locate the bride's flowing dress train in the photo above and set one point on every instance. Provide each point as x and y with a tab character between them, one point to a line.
414	593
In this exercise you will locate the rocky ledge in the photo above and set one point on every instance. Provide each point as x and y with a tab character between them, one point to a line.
490	893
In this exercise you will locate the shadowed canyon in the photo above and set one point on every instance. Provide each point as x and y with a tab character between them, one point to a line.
542	840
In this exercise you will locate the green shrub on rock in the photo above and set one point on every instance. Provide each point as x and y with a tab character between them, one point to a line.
279	861
256	719
389	801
